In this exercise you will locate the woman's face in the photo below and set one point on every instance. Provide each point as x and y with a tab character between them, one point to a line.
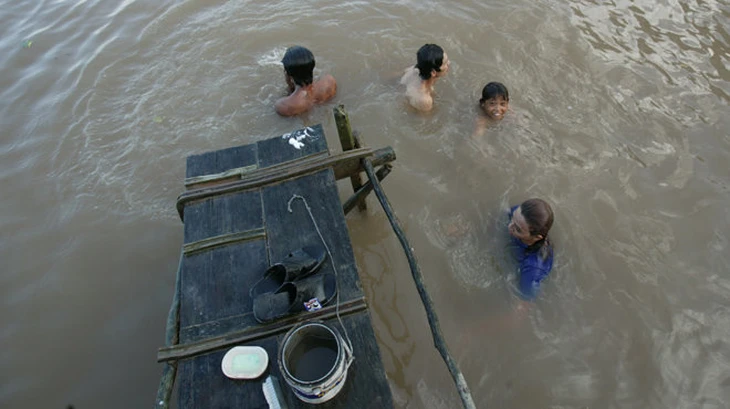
519	228
496	107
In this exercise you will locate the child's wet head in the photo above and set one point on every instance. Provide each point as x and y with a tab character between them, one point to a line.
495	100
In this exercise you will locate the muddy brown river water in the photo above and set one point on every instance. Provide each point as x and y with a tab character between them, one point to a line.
619	119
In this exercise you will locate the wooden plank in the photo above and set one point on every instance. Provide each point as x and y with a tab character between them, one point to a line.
221	160
250	172
231	174
222	240
343	164
224	214
215	286
306	142
363	192
253	333
215	308
288	231
203	385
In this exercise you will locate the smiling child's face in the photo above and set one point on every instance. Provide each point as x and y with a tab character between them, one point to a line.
496	107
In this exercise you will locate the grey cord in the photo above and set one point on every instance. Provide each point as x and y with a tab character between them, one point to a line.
334	266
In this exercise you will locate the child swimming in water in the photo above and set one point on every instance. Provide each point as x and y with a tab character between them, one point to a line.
529	225
303	91
432	63
494	104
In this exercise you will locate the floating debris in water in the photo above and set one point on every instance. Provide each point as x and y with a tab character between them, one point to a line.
158	119
27	43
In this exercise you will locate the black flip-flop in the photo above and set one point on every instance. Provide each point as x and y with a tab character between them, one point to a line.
295	266
309	294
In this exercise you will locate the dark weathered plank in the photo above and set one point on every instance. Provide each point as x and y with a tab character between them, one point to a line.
223	240
276	150
256	332
218	271
223	214
289	231
203	385
221	160
344	165
215	284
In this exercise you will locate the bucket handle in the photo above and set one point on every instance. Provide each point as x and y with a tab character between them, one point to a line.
349	356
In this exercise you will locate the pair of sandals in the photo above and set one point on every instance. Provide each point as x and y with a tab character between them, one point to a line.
290	286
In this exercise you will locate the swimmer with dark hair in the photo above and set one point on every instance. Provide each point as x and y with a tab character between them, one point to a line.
432	63
493	106
304	92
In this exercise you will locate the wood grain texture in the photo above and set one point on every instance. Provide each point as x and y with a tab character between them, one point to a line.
203	385
215	280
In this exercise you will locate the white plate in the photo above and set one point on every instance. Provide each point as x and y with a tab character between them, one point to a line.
245	362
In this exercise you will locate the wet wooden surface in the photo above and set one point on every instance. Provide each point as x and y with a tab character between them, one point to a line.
214	297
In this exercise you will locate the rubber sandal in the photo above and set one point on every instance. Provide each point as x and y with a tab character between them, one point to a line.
296	265
309	294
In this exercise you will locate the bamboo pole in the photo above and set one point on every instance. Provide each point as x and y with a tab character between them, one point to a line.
438	338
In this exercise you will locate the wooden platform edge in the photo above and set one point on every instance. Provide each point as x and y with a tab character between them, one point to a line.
181	351
344	164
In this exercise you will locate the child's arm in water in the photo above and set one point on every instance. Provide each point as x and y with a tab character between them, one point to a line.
480	126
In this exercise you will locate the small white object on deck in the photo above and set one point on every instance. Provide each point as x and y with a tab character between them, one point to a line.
245	362
272	393
296	138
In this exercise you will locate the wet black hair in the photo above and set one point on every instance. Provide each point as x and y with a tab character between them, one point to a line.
539	217
429	58
494	90
299	64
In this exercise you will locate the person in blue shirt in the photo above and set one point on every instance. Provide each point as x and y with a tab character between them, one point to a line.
529	225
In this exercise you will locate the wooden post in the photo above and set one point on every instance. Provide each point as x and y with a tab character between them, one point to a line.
365	190
348	142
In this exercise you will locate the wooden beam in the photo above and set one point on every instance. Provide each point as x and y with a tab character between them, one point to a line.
217	241
348	142
233	175
176	352
230	174
344	165
365	190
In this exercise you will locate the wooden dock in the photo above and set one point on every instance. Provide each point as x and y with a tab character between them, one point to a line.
236	224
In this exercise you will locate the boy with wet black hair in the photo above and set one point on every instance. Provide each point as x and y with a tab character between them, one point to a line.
494	104
429	59
495	100
432	63
304	92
